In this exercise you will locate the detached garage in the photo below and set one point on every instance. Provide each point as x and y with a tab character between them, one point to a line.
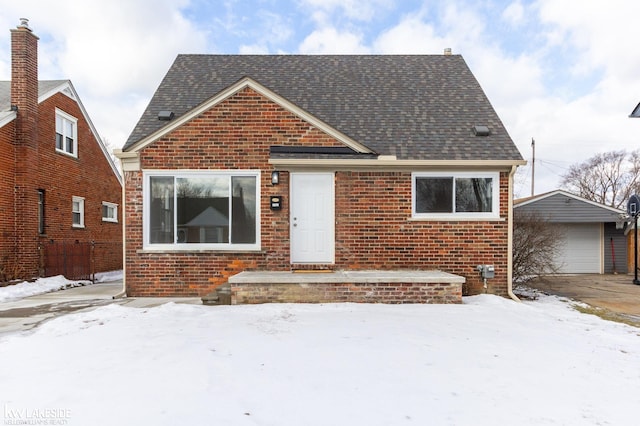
594	240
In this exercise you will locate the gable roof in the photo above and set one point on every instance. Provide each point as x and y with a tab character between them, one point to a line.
46	89
415	107
563	206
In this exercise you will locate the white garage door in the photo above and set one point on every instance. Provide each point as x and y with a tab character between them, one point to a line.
582	251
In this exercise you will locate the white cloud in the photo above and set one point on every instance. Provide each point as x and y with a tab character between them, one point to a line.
514	13
356	10
115	52
412	36
332	41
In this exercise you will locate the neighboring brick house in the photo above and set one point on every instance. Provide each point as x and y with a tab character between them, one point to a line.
58	184
310	163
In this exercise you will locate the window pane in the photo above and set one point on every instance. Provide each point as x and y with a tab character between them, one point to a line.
474	195
68	129
69	147
41	211
434	195
203	209
243	210
59	124
76	218
59	140
161	210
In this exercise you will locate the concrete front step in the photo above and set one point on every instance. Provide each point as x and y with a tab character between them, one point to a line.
220	296
346	286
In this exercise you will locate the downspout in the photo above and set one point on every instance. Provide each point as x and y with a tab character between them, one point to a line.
123	292
510	238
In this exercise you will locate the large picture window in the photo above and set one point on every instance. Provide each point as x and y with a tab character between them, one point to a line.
455	195
202	210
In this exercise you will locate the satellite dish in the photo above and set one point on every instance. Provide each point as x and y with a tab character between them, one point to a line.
633	206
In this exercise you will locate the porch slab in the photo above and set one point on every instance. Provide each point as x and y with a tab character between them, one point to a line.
346	286
266	277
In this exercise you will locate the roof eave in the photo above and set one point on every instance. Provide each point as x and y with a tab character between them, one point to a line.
7	118
388	162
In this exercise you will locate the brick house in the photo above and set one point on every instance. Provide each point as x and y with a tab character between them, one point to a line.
58	185
392	173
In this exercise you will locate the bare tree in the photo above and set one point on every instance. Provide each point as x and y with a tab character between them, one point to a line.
607	178
536	244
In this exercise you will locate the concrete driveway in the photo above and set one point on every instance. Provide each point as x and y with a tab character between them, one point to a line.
27	313
616	293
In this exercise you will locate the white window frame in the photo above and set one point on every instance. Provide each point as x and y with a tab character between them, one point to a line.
74	136
146	245
112	207
80	201
494	214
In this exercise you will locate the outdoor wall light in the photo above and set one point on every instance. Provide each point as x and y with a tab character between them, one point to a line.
275	177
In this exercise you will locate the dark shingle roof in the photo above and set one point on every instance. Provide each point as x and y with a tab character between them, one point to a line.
419	107
43	87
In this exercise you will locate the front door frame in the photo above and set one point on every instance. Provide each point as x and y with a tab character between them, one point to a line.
327	193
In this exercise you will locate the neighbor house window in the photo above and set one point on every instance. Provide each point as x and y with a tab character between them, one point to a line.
77	210
455	195
202	210
109	212
41	211
66	134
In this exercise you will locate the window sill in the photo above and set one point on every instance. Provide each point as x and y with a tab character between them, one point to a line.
190	250
67	154
456	219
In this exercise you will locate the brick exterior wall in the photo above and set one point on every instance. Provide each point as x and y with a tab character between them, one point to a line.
374	229
29	163
89	176
61	177
7	211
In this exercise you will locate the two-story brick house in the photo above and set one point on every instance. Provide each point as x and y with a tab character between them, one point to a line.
58	183
379	169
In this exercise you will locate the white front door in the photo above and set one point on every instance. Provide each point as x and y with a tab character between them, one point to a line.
312	218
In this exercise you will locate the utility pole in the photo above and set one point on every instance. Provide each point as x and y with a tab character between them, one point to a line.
533	165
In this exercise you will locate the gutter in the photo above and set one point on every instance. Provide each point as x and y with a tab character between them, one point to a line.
510	238
123	292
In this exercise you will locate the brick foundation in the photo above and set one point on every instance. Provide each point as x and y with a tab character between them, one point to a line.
346	292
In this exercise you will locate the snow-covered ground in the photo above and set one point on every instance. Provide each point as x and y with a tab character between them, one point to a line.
49	284
489	361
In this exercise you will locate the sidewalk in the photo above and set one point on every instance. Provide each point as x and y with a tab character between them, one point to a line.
27	313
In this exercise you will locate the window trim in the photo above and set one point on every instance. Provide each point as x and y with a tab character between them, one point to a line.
41	212
80	201
73	121
191	247
495	202
113	206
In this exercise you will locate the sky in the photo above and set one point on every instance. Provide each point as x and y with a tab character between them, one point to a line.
565	73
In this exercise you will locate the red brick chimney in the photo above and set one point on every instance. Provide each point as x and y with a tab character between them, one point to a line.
24	82
24	96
